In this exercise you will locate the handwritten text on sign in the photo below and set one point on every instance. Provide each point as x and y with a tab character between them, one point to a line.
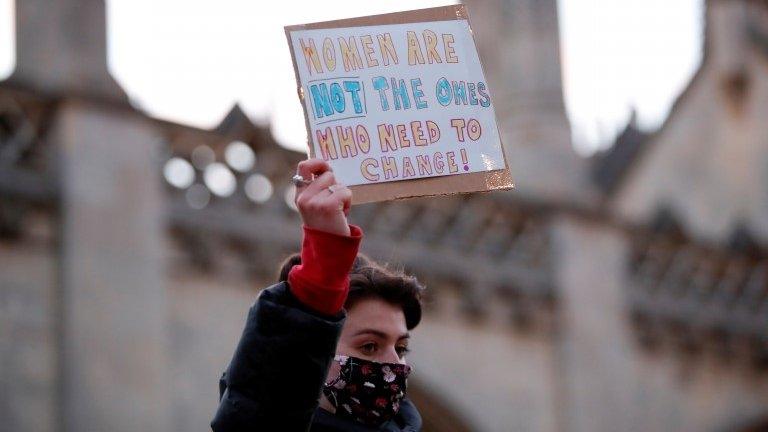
397	102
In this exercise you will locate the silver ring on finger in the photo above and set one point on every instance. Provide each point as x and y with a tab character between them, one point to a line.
332	188
298	180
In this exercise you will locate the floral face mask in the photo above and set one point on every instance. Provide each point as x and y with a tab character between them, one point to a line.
367	391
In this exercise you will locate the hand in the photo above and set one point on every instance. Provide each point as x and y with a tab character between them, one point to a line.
323	204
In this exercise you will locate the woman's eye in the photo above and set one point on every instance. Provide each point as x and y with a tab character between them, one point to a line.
369	348
402	351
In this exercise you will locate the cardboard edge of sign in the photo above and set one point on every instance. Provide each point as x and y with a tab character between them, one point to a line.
423	187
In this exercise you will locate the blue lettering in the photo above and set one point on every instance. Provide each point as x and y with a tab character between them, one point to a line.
418	93
459	92
443	91
353	87
380	84
485	98
337	98
321	99
402	91
472	94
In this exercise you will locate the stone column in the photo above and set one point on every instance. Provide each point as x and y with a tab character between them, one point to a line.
598	370
114	308
61	48
519	44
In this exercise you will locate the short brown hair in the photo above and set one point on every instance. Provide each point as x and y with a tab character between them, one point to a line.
367	279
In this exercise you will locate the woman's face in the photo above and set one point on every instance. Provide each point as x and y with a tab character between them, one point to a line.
375	330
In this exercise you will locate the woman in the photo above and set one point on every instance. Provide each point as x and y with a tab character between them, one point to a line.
324	349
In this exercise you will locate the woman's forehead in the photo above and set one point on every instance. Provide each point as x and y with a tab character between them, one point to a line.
375	314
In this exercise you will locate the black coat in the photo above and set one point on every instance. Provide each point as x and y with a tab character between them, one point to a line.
275	378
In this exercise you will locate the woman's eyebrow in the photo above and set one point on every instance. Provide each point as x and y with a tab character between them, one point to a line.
379	333
374	332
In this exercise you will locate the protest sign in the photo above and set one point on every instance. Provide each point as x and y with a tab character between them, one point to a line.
398	104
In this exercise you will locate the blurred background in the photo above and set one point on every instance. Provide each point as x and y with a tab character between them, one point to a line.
145	153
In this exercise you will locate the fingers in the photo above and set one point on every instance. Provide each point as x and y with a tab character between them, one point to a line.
309	169
312	167
338	197
320	183
344	195
324	194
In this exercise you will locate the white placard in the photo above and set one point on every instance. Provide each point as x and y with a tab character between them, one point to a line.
397	102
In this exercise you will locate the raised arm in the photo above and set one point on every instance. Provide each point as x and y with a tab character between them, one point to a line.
274	379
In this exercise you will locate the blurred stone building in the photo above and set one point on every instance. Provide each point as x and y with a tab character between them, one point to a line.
624	293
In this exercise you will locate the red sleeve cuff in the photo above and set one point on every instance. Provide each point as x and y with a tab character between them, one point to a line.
321	281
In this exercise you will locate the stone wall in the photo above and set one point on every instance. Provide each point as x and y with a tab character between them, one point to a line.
29	381
709	163
207	315
613	383
494	377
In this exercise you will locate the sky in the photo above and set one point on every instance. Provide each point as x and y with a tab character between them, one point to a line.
625	55
190	60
